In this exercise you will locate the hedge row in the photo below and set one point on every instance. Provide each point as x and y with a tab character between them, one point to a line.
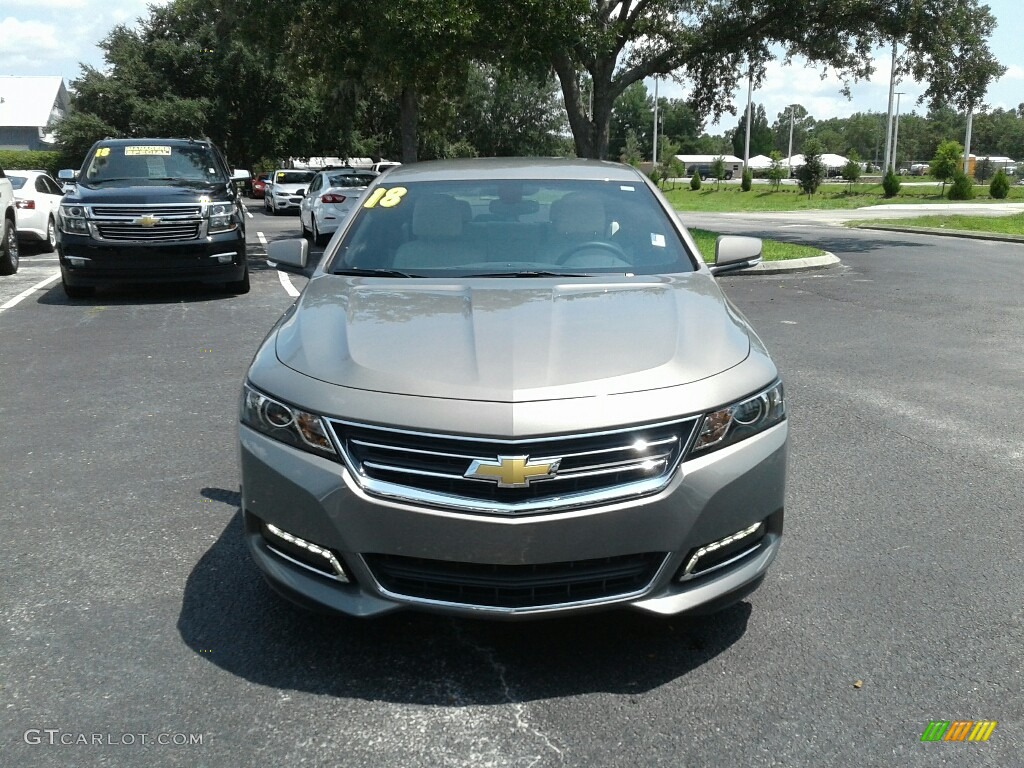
25	160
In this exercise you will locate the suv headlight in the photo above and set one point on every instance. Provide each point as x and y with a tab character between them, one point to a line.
298	428
73	219
222	217
740	420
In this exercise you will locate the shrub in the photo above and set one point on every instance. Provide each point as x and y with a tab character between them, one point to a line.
28	160
695	181
812	172
748	180
1000	186
890	184
962	187
655	176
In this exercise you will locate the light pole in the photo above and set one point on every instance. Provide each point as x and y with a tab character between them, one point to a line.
896	130
789	160
888	125
967	141
750	96
654	151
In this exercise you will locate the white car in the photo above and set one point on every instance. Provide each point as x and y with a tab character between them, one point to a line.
330	198
36	202
384	165
285	189
8	228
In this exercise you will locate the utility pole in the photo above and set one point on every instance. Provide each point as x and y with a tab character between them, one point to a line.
750	96
896	129
789	160
654	151
888	126
967	141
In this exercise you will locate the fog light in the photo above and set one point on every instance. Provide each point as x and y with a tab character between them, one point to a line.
77	261
224	258
715	546
313	549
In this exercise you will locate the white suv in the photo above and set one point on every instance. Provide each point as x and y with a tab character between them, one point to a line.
8	228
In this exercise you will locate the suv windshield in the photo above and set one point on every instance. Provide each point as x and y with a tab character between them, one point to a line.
512	228
153	162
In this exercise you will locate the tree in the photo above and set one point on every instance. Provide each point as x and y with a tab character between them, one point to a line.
851	171
607	45
983	169
802	122
760	133
695	182
812	172
946	163
748	180
1000	186
633	112
631	151
718	170
776	171
890	183
962	187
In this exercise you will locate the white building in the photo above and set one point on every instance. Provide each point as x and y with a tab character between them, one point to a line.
29	108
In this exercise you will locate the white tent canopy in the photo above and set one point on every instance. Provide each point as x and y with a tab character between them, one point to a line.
827	159
760	162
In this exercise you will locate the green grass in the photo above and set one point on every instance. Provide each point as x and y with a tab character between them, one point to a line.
773	250
829	196
1005	225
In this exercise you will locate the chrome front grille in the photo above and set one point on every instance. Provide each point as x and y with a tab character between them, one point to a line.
561	472
134	211
185	230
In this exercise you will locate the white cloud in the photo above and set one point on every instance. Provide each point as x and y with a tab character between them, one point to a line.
23	38
37	4
1013	72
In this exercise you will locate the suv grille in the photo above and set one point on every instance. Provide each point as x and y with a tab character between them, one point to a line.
515	586
134	211
185	230
580	470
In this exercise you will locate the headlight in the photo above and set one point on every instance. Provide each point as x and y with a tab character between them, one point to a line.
741	420
222	217
286	423
73	219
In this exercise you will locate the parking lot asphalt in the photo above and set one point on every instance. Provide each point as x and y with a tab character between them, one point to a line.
131	612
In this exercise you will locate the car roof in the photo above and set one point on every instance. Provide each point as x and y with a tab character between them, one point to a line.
136	141
514	168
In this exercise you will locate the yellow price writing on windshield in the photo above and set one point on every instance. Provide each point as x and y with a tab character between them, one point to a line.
386	198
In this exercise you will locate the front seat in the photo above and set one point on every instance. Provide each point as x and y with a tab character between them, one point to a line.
438	228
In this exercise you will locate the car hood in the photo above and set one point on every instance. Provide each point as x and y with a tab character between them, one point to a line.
143	194
512	339
289	188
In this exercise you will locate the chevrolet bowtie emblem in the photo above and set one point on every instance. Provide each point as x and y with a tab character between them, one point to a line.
148	221
513	471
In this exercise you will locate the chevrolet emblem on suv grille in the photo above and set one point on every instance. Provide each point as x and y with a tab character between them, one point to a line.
512	471
148	221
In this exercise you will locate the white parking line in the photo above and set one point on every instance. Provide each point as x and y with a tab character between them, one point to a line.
246	209
286	282
28	292
262	238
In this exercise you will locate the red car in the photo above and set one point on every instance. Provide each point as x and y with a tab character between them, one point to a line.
259	185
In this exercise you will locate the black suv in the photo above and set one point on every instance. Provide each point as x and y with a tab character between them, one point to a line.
151	210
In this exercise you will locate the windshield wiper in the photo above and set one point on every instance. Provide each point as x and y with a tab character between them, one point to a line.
357	272
530	273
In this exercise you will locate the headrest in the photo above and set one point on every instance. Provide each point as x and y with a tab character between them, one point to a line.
437	216
579	213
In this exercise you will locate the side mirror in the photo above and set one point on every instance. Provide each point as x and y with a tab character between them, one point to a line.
301	193
240	175
66	174
290	255
733	253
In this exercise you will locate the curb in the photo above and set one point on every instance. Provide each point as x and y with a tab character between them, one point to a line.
963	233
792	265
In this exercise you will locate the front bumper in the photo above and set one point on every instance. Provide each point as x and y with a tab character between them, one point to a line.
707	500
211	259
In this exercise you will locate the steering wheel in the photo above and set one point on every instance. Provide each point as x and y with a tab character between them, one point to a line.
593	245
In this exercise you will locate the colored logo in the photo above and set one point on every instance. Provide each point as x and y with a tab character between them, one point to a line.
512	471
148	221
958	730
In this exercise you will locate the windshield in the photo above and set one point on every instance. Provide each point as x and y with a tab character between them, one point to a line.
512	228
153	162
350	179
293	177
16	181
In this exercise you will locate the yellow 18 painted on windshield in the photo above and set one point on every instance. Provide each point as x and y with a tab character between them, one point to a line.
386	198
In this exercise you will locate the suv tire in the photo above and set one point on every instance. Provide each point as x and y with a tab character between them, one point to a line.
9	249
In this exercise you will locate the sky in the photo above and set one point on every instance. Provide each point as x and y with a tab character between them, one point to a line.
52	37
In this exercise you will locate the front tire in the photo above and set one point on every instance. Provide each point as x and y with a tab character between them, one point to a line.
9	249
50	245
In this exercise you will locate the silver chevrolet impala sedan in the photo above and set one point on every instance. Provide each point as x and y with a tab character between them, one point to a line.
513	389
